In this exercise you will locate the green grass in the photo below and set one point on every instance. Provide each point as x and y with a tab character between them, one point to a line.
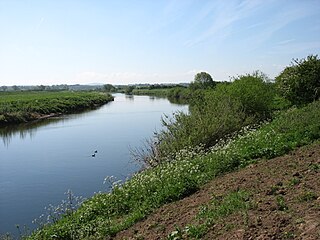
18	107
218	208
105	214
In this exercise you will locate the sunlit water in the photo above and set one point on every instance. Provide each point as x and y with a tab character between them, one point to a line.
39	162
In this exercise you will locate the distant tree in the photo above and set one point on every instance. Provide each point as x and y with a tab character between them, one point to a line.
202	80
41	87
15	88
108	87
4	88
300	82
128	90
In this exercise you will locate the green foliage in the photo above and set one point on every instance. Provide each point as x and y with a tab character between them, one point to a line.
209	214
212	117
308	196
282	206
215	114
159	92
108	213
300	82
254	93
128	90
109	88
18	107
202	80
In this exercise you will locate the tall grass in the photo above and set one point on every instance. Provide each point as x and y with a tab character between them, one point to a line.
105	214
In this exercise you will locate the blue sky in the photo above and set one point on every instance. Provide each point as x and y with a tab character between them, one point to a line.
120	42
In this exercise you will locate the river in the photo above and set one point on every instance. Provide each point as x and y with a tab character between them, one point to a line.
40	161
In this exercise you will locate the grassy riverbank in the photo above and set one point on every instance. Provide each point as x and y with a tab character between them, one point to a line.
158	92
228	127
108	213
17	107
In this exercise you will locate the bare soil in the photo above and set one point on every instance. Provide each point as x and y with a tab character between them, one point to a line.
294	177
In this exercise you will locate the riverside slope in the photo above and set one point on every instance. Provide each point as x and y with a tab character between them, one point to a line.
294	178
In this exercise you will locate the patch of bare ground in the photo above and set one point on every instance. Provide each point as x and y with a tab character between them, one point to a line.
284	203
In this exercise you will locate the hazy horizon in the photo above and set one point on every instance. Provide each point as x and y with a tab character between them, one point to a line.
129	42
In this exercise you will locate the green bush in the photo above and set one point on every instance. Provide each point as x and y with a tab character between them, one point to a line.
215	114
254	93
300	82
212	116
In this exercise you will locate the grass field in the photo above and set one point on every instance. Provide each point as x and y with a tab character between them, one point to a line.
16	107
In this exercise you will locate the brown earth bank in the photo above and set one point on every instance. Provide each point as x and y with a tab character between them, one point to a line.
284	196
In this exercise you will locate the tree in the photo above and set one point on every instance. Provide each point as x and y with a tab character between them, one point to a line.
15	88
129	90
202	80
300	82
4	88
108	87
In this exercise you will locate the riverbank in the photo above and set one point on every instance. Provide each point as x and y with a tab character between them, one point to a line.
261	201
19	107
106	214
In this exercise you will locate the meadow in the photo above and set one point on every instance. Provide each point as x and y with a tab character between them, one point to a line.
17	107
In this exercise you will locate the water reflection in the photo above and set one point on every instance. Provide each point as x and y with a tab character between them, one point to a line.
30	129
25	130
129	97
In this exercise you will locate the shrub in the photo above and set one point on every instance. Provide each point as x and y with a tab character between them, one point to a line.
300	82
217	113
254	93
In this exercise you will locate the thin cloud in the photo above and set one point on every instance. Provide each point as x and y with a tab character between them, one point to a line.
225	14
285	42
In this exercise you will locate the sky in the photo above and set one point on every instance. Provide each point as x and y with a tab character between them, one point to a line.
151	41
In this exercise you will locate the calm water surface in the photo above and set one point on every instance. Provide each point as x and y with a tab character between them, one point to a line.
40	162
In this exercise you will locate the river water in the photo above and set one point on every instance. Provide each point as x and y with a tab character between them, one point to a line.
39	162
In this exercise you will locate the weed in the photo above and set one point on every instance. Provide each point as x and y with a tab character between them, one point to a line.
282	206
196	231
307	196
220	207
176	234
288	235
315	167
294	181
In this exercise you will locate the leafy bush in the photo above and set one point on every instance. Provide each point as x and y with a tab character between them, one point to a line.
300	82
215	114
254	93
212	116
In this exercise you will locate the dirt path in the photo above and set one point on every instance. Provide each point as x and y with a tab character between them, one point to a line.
294	178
